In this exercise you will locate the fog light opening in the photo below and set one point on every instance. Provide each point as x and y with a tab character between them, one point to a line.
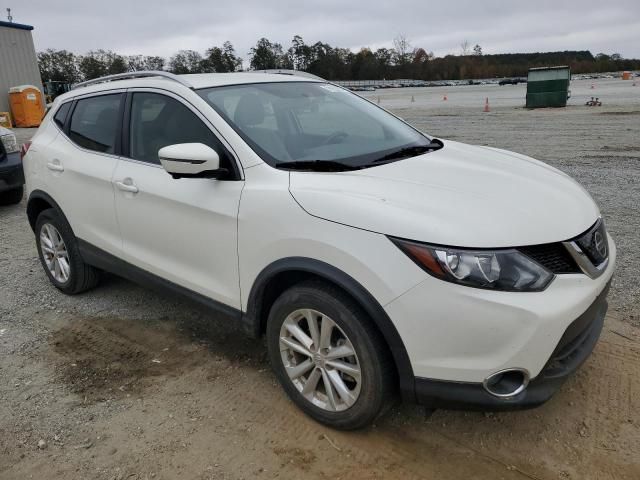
506	383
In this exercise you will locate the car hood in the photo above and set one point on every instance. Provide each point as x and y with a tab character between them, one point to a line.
460	195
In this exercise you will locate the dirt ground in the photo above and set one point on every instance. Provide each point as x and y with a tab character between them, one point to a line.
124	383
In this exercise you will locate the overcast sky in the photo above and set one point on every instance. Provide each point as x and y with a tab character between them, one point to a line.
160	27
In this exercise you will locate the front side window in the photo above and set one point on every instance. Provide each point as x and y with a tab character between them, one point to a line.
95	122
158	121
313	123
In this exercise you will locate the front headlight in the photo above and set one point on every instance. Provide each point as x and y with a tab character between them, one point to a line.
10	143
504	269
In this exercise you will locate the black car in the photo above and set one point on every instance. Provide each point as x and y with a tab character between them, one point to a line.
11	174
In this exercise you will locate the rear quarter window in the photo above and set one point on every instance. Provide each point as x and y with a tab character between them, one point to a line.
61	114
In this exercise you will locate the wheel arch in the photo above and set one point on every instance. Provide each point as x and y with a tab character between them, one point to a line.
284	273
38	202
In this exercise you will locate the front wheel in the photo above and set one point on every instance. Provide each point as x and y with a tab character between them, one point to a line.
328	357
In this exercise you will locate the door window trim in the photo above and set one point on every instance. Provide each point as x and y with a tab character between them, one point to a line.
238	171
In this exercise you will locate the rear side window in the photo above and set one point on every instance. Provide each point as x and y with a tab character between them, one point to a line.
61	114
158	121
95	122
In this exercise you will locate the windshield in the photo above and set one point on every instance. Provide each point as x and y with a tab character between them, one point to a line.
314	125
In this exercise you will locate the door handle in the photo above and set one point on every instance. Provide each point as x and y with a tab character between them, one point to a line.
55	166
127	186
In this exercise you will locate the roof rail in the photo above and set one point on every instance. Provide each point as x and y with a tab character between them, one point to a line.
129	75
283	71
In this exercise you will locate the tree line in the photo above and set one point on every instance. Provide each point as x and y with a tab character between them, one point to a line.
332	63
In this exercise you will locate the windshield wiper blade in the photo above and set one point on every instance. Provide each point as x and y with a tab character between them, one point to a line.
316	165
411	151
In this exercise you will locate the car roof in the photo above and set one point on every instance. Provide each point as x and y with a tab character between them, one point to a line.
196	81
205	80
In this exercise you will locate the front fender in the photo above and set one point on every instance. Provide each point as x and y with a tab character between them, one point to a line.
254	318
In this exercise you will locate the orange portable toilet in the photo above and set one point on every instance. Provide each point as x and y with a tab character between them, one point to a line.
27	106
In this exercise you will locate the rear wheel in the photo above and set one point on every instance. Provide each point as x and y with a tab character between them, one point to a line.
11	197
328	358
59	255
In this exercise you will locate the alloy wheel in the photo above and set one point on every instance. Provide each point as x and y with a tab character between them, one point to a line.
54	253
320	360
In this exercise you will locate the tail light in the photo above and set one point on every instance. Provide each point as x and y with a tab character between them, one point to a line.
24	149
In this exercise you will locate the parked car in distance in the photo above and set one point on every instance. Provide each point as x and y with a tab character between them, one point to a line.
377	260
11	177
512	81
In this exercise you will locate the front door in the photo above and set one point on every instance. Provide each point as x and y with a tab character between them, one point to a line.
185	230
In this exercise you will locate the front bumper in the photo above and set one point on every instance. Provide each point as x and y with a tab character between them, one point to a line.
11	173
462	334
572	350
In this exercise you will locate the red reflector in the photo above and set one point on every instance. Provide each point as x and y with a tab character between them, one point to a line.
24	149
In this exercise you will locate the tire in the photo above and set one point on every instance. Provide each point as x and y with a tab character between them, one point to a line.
367	398
79	277
11	197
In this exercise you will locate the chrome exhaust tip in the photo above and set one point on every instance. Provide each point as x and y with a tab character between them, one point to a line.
507	383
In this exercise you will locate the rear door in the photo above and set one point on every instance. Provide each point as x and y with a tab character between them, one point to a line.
80	164
185	230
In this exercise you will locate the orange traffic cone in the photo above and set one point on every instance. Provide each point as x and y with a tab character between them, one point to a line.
444	98
486	105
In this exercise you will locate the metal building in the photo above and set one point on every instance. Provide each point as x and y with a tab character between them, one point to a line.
548	87
18	61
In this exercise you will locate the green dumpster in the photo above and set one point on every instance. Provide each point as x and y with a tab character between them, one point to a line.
548	87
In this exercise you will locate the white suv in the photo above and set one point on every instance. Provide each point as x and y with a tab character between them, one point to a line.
374	258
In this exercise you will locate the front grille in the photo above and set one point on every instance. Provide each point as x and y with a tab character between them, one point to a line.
553	256
594	243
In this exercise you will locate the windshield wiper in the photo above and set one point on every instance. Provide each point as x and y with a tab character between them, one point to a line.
411	151
316	165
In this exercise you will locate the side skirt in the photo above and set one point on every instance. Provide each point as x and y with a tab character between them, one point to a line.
105	261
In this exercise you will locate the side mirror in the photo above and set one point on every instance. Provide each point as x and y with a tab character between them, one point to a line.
191	160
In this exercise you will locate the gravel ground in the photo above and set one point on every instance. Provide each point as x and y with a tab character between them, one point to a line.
121	382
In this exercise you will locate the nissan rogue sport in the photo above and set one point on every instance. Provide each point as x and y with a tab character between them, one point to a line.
374	258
